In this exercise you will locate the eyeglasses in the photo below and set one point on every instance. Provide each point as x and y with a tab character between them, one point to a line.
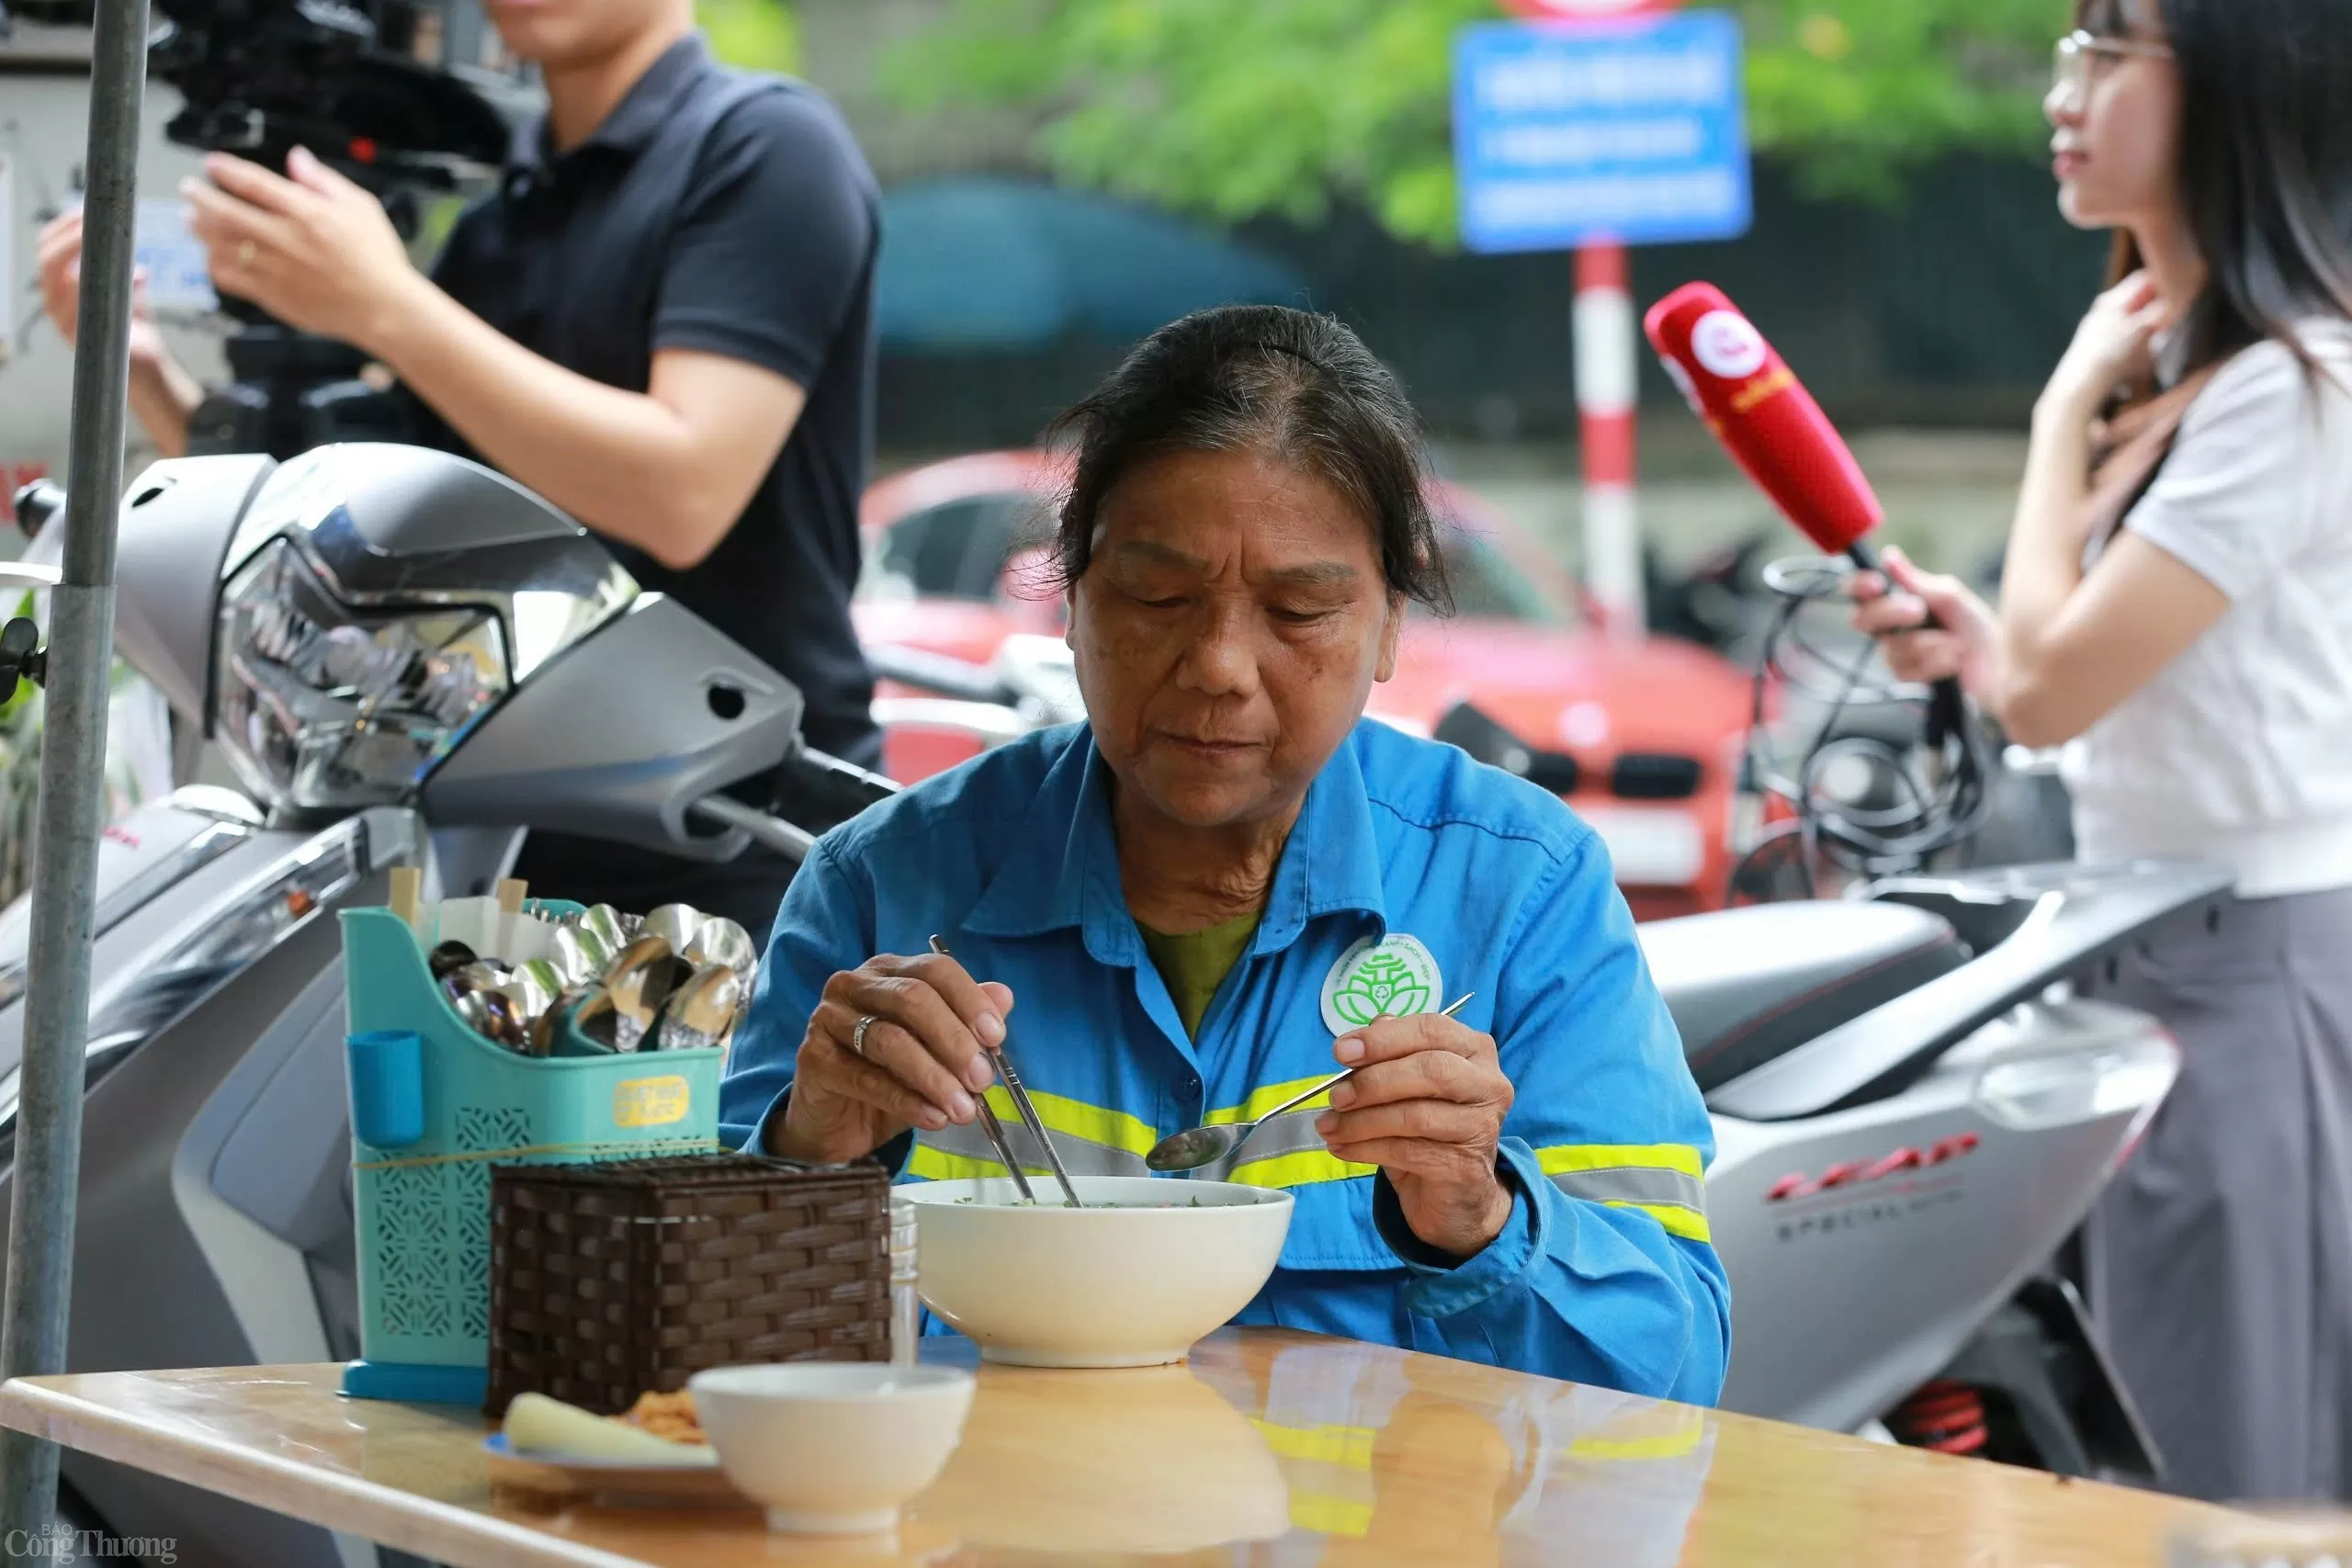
2077	51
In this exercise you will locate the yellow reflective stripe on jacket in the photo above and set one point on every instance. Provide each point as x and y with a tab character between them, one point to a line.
1095	1123
1265	1100
1303	1169
939	1165
1665	1181
1688	1224
1091	1140
1286	1151
1615	1157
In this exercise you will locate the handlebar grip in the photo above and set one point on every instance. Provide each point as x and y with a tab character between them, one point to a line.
939	673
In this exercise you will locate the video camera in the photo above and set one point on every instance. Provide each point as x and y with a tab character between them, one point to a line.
362	84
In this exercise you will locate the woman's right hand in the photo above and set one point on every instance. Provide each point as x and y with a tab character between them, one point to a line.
1965	642
922	1064
59	252
2112	342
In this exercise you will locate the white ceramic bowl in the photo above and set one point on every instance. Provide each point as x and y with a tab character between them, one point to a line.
832	1448
1046	1285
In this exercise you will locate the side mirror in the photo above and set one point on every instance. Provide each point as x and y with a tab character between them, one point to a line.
35	503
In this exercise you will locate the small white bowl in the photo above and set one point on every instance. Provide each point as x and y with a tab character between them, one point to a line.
1046	1285
832	1448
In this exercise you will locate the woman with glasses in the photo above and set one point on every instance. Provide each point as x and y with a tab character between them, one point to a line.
2177	610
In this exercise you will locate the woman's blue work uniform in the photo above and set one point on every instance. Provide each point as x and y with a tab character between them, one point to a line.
1414	874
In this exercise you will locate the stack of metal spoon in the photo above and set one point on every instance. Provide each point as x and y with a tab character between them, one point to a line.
674	980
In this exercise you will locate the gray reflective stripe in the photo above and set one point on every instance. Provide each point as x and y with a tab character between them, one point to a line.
1079	1157
1291	1132
1631	1184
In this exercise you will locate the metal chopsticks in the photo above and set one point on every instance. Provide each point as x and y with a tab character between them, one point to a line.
995	1129
1036	1129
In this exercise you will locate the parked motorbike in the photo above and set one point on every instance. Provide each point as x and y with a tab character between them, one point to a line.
411	662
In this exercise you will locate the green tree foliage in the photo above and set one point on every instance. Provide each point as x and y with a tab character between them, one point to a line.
1237	107
758	35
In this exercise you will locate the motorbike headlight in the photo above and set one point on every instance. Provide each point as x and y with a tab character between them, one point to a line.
322	707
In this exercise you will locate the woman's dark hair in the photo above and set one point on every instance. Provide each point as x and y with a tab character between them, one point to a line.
1298	388
2266	157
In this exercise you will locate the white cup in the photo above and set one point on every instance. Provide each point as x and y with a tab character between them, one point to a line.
832	1448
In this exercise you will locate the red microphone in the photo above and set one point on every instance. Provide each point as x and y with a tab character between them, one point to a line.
1774	429
1763	415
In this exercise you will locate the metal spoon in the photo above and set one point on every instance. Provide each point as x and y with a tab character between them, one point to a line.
547	1030
675	924
592	1018
700	1013
607	924
581	955
491	1015
533	987
1197	1146
638	982
448	958
479	976
722	941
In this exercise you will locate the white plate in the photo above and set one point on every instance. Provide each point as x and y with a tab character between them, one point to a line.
693	1483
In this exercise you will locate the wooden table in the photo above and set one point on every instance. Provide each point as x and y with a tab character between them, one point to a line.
1322	1451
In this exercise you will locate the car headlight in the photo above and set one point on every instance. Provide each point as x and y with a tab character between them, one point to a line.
322	707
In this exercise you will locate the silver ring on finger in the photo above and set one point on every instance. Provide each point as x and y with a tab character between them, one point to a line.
857	1035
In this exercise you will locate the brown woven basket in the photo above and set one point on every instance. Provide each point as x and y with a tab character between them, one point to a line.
608	1281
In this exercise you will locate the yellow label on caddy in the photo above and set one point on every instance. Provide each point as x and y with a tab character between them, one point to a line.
650	1102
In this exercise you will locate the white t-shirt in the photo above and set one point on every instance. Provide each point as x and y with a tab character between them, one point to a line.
2240	751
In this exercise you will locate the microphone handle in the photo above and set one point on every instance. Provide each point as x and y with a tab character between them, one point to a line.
1946	707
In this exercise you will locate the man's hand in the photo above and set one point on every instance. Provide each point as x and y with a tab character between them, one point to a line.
162	393
1427	1105
313	249
918	1064
59	251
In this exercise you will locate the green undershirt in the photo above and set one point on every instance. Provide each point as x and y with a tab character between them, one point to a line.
1196	963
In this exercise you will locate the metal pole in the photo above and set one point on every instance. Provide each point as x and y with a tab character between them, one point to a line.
72	769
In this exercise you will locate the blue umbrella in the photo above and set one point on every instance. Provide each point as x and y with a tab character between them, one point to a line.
992	264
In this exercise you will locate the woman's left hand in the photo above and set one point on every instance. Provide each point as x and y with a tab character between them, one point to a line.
1427	1105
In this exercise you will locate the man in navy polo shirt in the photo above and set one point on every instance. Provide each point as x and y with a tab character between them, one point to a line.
661	320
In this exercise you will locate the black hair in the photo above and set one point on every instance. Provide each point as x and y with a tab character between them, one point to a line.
1296	386
2266	158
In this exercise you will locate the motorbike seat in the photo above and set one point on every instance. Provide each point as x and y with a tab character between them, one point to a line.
1748	985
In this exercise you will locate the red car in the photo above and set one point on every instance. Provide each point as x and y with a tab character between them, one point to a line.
1641	736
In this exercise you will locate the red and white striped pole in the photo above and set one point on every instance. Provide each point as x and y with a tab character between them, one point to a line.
1608	378
1607	388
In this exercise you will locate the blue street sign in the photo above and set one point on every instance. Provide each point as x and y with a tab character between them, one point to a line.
1570	133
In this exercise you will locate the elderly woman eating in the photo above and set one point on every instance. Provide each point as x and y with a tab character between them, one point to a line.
1228	883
